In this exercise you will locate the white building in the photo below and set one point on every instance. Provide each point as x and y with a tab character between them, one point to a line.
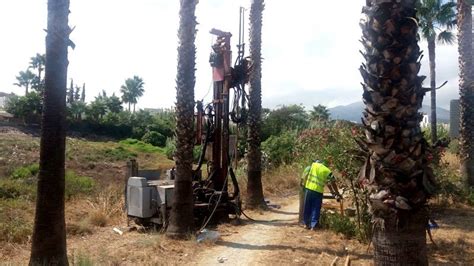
425	122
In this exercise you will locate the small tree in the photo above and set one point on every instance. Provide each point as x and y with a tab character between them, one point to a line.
319	113
25	79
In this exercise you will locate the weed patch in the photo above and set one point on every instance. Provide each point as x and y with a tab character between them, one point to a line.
118	154
98	218
338	223
76	185
15	227
82	228
25	171
16	189
141	146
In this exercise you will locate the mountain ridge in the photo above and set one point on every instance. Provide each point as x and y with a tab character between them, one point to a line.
353	112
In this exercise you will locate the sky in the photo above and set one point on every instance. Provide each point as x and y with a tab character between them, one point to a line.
310	54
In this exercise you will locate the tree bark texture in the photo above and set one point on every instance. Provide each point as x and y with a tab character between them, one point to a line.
182	219
466	90
49	234
255	197
395	173
432	59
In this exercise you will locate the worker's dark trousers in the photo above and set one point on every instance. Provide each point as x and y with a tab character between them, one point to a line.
312	207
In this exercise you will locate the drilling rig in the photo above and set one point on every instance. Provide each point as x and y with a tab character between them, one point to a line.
148	199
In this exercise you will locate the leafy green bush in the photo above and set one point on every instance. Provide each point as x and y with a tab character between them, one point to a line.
197	153
154	138
454	146
25	171
170	148
76	185
16	189
443	133
118	154
279	149
338	223
141	146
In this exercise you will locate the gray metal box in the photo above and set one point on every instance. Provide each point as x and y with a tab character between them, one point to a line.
140	198
165	194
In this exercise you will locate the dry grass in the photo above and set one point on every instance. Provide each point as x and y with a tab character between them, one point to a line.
452	160
282	181
107	206
79	229
98	218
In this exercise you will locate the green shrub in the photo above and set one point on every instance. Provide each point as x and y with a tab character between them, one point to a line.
338	223
118	154
454	146
197	153
442	132
15	189
279	149
170	148
25	171
76	185
154	138
141	146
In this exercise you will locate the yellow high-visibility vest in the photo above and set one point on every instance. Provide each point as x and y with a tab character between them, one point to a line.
319	175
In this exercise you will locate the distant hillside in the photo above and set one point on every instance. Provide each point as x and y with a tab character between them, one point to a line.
353	112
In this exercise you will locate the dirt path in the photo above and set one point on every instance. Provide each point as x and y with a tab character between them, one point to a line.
280	241
254	240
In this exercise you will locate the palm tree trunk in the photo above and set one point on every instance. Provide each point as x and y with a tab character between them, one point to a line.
26	89
129	107
134	107
255	197
466	90
49	235
432	58
182	219
395	173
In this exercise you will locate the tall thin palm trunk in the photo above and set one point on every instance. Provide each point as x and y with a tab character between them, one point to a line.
432	59
181	220
466	89
395	173
254	186
49	235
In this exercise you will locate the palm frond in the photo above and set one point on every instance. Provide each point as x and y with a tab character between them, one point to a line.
446	37
446	14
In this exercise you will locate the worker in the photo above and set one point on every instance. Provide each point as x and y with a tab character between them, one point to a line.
314	179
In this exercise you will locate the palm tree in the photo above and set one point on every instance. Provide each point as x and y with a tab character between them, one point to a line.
25	79
49	233
132	90
37	62
436	21
319	113
255	197
181	220
466	89
395	172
